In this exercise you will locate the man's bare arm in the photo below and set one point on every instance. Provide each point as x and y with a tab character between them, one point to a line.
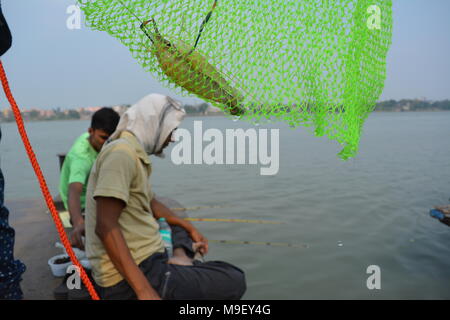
74	202
161	211
108	230
74	206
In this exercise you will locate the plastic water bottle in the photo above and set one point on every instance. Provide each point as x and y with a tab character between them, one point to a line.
166	234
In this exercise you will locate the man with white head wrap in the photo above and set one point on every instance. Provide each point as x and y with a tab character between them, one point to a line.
152	120
123	243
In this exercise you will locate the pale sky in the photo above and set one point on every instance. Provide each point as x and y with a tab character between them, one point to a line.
52	66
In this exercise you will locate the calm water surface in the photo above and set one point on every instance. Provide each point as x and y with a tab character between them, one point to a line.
371	210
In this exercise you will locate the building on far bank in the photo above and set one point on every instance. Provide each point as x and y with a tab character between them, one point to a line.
6	113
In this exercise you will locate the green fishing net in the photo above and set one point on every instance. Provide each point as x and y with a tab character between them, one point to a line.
315	63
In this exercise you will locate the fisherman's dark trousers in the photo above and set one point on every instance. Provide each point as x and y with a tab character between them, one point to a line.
211	280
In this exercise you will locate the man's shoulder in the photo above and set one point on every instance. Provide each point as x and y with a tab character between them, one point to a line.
80	147
81	140
118	145
118	148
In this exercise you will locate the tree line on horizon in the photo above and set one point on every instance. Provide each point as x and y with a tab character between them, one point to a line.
403	105
413	105
6	115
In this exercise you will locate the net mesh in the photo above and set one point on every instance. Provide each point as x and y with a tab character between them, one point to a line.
312	63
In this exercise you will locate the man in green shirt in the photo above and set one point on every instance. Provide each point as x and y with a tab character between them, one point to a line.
77	166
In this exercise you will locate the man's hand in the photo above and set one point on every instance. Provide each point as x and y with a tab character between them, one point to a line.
200	241
77	232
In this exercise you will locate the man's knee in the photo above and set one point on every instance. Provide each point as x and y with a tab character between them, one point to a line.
230	280
240	284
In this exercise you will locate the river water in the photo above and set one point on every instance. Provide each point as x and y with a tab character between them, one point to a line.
345	216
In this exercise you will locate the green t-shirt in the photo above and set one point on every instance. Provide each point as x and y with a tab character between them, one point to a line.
76	167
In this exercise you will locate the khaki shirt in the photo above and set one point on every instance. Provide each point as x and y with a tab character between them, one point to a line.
122	171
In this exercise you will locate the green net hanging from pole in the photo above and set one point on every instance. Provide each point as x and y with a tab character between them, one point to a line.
312	63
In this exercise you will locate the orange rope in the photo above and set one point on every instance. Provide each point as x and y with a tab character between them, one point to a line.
46	193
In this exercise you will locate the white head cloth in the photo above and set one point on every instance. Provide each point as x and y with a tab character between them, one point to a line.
151	120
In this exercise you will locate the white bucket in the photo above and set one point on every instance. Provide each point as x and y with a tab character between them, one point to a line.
59	270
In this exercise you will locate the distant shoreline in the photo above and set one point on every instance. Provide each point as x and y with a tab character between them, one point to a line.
206	110
220	114
188	115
